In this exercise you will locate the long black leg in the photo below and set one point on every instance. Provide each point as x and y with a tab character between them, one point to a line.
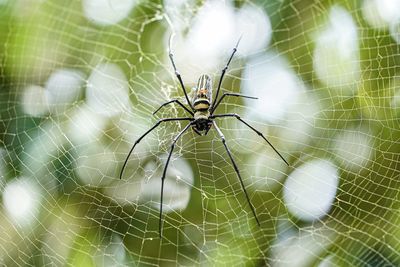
230	94
224	70
194	129
237	171
174	101
165	172
178	75
251	127
140	138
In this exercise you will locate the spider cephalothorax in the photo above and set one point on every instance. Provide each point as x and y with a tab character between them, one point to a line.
201	108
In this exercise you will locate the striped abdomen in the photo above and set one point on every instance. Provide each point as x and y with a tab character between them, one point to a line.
203	93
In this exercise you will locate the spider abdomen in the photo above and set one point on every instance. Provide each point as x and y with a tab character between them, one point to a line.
202	94
201	104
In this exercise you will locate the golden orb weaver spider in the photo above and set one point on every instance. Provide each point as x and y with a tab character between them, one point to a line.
202	119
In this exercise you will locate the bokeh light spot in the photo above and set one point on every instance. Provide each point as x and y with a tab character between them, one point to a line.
21	200
381	13
270	79
63	88
255	26
395	31
336	55
105	12
353	149
310	189
34	101
107	90
95	165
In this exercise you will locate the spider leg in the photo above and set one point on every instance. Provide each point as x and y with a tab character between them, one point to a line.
165	172
224	70
230	94
174	101
141	137
196	131
178	75
251	127
236	170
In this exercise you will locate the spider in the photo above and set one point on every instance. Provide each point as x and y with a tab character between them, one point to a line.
201	108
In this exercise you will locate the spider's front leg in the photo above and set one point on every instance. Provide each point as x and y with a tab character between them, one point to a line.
224	71
177	74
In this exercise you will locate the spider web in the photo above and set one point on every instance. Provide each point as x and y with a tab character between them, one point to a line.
79	83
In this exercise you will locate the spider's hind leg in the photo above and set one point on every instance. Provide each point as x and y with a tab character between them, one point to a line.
165	172
252	128
146	133
221	135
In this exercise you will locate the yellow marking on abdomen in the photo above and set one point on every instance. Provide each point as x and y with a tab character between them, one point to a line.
201	106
